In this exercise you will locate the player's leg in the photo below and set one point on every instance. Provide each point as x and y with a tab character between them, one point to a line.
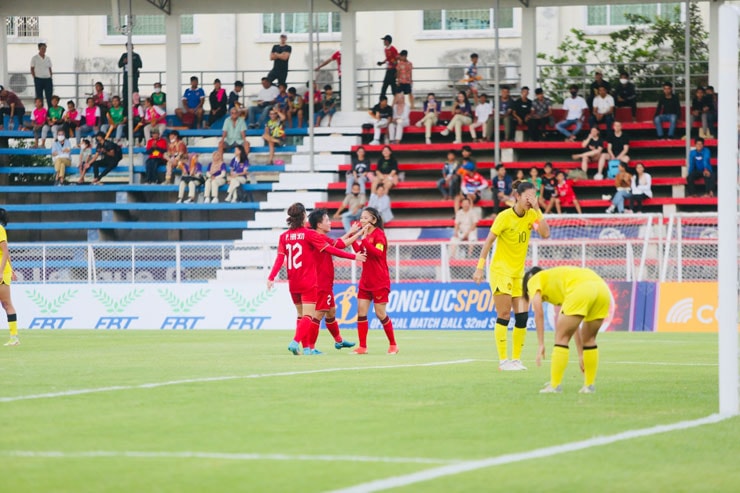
385	321
333	327
309	324
588	334
297	336
521	313
7	304
502	301
363	307
565	327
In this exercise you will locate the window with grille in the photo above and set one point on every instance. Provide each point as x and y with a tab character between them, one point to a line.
297	23
22	27
616	15
467	20
151	25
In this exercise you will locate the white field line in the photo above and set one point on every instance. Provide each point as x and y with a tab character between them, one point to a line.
452	469
67	393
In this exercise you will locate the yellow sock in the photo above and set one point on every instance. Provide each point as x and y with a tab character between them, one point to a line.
13	326
500	334
558	364
520	334
590	364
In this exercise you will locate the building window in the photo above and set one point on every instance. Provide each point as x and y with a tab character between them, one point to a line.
151	25
22	27
616	15
467	20
297	23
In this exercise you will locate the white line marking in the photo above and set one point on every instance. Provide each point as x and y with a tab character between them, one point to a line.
656	363
451	469
67	393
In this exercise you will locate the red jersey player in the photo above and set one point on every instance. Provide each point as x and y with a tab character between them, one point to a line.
375	281
325	307
299	246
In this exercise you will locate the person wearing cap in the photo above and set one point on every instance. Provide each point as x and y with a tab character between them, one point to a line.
123	63
391	59
280	55
41	73
471	186
218	101
594	88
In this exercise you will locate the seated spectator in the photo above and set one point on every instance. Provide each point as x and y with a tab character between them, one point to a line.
548	190
156	148
191	112
462	114
159	98
53	118
274	134
534	179
238	173
382	113
399	120
306	100
117	120
295	109
12	106
154	117
234	131
458	172
386	171
353	203
625	94
592	146
449	168
86	159
215	177
541	115
641	188
261	107
177	153
472	186
466	227
668	110
709	111
38	122
234	100
602	110
593	91
380	200
191	177
108	156
102	99
483	111
623	184
281	100
700	166
617	149
360	171
697	107
137	110
91	120
70	120
60	152
328	106
522	108
575	107
431	108
565	196
218	101
505	104
502	187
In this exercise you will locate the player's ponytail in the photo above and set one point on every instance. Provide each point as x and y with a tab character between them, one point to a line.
378	219
316	216
3	217
296	216
529	275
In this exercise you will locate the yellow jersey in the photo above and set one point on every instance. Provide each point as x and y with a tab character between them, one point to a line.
512	241
558	283
8	268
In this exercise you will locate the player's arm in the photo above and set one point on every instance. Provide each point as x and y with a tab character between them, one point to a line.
478	276
539	323
341	253
541	225
279	260
351	236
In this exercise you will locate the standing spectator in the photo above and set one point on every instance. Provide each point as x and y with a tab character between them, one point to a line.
117	120
60	152
11	106
328	106
274	134
71	119
548	190
483	111
159	98
641	188
280	54
522	108
234	131
382	113
431	108
404	79
623	184
501	188
191	112
137	65
295	108
156	147
541	115
177	152
449	168
380	201
472	78
700	166
594	87
53	117
710	111
91	120
353	203
668	110
38	122
399	120
215	177
360	171
565	196
263	104
391	58
617	149
218	101
335	57
238	173
602	110
42	74
575	107
108	156
592	146
386	171
466	226
191	176
625	94
462	115
235	99
154	117
505	105
102	99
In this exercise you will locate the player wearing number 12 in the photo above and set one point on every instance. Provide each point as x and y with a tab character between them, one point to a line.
513	229
299	247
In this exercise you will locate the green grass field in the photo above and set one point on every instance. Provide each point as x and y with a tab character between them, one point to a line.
289	427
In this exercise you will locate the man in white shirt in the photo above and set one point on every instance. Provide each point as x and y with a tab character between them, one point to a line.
483	110
575	106
264	103
603	110
41	72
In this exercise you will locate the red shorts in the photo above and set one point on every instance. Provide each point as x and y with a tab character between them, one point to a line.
307	297
325	301
377	296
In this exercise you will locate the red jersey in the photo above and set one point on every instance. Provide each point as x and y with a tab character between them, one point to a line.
391	56
337	57
325	267
375	273
565	192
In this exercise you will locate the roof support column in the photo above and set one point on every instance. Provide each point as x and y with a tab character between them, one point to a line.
3	52
528	69
173	53
713	42
349	67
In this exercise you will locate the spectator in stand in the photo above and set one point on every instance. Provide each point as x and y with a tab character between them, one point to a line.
575	107
431	108
380	201
386	171
53	117
548	189
159	98
60	152
617	149
522	108
602	110
86	160
518	178
280	54
328	106
382	113
592	146
108	156
295	108
306	100
274	134
534	179
235	99
391	58
42	74
472	78
668	110
137	110
263	104
598	83
399	120
177	153
218	101
137	65
404	79
472	186
335	57
697	107
449	169
154	117
700	166
353	202
281	100
623	184
483	111
70	120
102	99
117	120
505	104
191	176
234	131
458	172
710	110
360	171
703	111
565	196
541	115
215	177
191	113
38	123
90	120
238	173
462	114
625	94
156	148
501	188
641	188
12	106
466	227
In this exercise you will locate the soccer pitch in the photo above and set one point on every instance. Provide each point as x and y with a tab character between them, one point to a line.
89	411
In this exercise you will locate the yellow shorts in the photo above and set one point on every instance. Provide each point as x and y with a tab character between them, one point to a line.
7	276
506	285
591	300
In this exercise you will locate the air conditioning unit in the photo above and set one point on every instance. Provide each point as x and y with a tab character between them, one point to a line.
22	85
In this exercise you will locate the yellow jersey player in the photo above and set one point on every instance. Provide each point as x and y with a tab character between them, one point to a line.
8	276
513	228
584	299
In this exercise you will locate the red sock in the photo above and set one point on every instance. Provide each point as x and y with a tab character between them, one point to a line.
388	328
362	331
314	332
304	331
333	327
297	330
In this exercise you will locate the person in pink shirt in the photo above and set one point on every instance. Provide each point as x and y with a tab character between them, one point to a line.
90	120
38	120
71	119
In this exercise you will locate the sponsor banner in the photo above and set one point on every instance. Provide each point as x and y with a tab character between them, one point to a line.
688	307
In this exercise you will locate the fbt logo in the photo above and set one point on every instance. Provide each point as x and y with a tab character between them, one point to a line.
120	323
249	323
186	323
48	322
682	312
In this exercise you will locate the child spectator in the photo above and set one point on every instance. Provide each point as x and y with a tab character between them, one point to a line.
483	111
177	152
623	184
238	173
191	177
295	109
38	122
71	120
91	120
154	117
400	119
86	159
53	117
281	100
102	98
274	132
472	79
431	108
215	177
472	185
565	197
448	172
548	189
235	99
641	188
360	171
156	147
327	108
404	80
534	179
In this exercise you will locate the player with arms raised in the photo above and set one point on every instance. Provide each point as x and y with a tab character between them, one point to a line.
513	228
299	247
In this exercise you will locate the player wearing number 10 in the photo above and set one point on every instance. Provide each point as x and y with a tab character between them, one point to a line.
513	228
299	246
